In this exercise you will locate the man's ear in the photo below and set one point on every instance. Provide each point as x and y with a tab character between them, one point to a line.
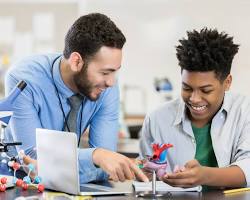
227	82
76	62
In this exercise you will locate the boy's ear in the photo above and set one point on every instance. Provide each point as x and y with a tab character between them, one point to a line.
76	62
227	82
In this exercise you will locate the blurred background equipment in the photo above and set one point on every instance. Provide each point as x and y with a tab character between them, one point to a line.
135	102
164	87
6	110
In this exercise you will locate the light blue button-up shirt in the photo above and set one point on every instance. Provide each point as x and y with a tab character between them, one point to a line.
230	133
38	107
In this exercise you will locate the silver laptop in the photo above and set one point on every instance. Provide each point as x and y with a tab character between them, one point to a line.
57	161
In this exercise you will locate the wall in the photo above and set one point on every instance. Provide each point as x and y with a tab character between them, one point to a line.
30	27
153	27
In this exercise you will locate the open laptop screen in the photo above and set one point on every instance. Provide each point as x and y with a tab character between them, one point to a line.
57	161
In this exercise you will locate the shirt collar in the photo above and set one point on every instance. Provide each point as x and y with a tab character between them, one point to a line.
181	109
226	102
62	88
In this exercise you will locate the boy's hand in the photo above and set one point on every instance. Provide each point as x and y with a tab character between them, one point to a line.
178	168
192	175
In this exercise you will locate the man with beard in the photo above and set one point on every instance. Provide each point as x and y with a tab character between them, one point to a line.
85	75
208	127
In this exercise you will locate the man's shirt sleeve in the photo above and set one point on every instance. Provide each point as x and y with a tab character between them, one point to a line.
103	133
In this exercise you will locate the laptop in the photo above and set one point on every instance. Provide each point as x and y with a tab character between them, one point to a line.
57	162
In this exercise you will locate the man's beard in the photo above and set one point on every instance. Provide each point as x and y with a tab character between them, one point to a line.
83	84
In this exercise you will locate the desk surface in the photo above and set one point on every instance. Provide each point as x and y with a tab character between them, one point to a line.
11	194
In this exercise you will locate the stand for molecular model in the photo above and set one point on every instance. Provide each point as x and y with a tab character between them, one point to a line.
156	164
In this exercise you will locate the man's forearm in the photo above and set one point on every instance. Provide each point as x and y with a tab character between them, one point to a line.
231	176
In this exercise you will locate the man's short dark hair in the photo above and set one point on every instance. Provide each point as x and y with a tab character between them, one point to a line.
89	33
207	50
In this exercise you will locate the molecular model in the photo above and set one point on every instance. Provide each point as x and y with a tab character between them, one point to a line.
3	183
26	182
157	162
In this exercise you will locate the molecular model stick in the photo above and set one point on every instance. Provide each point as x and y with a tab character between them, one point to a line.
26	182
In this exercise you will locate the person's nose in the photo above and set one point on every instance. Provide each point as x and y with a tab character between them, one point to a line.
110	81
195	97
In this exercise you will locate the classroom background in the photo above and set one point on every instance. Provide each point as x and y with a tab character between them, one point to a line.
150	74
